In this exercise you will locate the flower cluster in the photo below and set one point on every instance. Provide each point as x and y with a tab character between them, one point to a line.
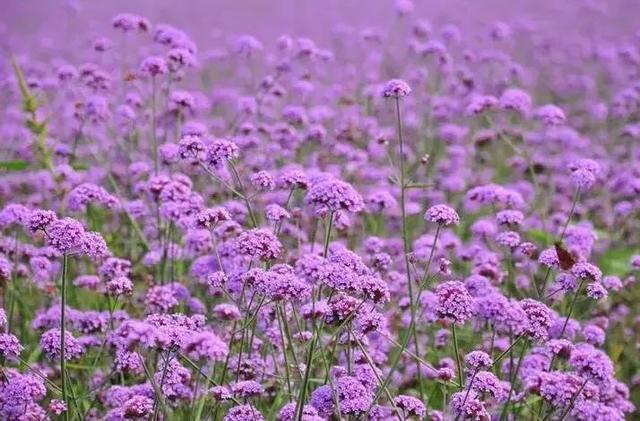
397	218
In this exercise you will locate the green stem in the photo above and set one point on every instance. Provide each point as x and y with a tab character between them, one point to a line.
407	337
405	243
154	134
455	349
506	351
252	216
512	380
576	197
314	339
466	395
63	303
284	353
573	400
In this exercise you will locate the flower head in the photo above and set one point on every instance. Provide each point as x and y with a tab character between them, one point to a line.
443	215
396	88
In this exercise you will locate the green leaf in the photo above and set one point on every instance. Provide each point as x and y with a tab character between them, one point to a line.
616	261
540	237
79	166
17	165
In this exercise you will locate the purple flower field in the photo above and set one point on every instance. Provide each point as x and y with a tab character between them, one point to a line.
319	210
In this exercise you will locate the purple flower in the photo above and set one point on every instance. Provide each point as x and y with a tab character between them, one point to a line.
120	285
153	66
309	413
138	406
190	147
247	388
515	100
322	400
481	103
128	22
593	410
410	406
510	217
396	88
66	235
41	219
478	360
57	406
88	193
210	217
454	301
10	347
220	151
487	382
292	177
260	243
220	393
560	347
593	335
509	239
94	246
14	213
243	413
353	397
559	388
161	298
539	317
50	344
612	283
443	215
584	173
468	407
591	363
596	291
549	258
584	270
333	195
263	181
551	115
206	346
276	213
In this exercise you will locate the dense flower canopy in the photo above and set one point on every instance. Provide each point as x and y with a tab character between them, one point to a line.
383	210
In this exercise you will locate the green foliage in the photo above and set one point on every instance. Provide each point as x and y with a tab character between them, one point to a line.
37	127
14	165
616	261
540	237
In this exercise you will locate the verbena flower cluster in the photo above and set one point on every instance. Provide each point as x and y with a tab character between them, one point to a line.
408	219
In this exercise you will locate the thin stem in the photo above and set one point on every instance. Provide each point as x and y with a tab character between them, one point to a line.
63	303
573	304
374	370
252	216
425	279
154	134
466	395
513	379
573	400
576	197
506	351
407	338
455	349
284	352
405	243
566	320
314	339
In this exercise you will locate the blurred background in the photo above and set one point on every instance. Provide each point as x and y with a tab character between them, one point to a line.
30	23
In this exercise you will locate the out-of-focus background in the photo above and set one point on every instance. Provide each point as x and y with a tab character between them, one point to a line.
28	23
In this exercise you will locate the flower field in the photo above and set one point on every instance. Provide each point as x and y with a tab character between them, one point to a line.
292	210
